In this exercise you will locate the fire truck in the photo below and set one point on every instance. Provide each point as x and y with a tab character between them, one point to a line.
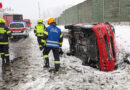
12	17
94	44
28	23
1	10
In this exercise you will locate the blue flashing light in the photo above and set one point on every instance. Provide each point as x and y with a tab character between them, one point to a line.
13	21
21	21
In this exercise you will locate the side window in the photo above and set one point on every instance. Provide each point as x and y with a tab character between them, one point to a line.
113	52
108	30
107	47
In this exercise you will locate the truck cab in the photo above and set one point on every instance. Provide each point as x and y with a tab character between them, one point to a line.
12	17
28	23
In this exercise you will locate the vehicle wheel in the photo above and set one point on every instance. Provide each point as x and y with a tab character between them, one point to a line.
25	36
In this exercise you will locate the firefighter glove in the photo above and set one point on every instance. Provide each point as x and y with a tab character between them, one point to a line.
60	51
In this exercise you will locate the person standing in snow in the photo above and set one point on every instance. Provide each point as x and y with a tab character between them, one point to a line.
52	40
38	31
4	43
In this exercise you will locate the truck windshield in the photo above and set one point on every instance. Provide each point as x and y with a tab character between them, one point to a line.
16	25
27	22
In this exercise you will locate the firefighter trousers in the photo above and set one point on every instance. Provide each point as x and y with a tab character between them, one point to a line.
4	52
39	42
56	56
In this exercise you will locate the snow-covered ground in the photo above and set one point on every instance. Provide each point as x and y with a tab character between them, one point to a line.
27	72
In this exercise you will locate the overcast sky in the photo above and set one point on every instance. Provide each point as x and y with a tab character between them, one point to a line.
29	8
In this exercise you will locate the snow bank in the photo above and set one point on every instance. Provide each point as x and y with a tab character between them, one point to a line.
122	41
72	75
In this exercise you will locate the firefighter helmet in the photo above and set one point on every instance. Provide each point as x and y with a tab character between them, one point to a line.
40	21
50	20
2	20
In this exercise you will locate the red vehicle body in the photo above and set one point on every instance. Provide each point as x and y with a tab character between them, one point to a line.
1	5
8	19
12	17
28	22
94	44
106	45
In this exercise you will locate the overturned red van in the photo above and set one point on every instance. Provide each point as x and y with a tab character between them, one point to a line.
94	44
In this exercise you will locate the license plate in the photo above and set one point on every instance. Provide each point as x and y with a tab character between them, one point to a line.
17	31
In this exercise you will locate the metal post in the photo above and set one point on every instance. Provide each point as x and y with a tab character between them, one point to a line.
119	13
103	11
39	9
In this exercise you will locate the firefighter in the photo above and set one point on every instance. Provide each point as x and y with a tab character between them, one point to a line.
52	41
4	45
38	31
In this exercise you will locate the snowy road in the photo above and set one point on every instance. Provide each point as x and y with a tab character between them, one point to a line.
27	72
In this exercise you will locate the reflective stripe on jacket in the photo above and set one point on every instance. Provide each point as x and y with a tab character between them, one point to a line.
4	34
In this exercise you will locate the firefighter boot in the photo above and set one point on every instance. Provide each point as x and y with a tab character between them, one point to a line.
3	61
57	66
7	61
46	63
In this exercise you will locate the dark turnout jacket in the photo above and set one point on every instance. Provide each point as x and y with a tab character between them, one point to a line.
5	33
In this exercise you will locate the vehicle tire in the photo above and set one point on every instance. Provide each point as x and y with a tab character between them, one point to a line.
26	36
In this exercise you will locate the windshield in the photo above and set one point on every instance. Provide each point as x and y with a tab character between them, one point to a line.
16	25
27	22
